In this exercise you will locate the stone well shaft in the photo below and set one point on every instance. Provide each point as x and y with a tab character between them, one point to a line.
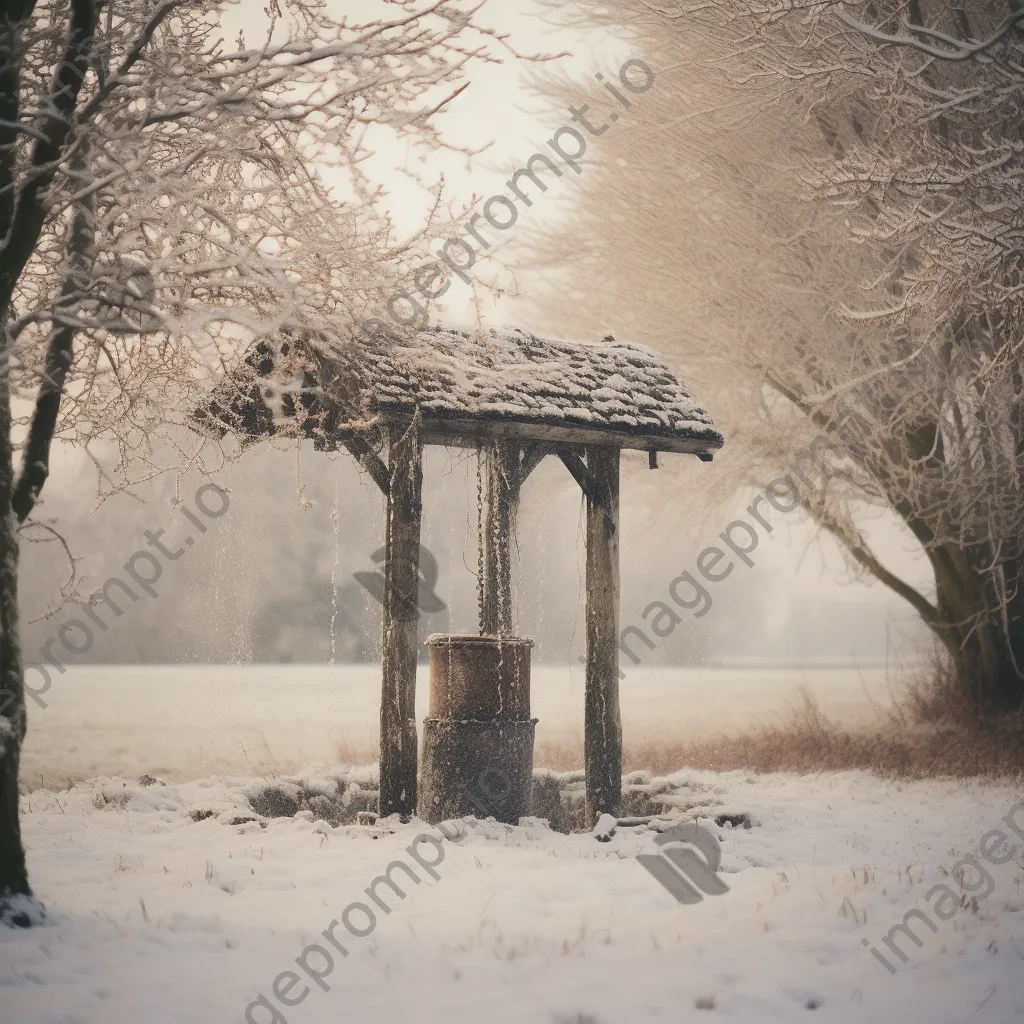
478	736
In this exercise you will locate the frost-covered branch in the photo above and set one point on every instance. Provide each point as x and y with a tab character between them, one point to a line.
825	225
210	223
919	37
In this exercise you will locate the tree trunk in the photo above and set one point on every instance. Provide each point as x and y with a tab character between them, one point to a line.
986	645
13	873
17	499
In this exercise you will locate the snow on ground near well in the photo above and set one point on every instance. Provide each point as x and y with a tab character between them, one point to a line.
188	722
156	918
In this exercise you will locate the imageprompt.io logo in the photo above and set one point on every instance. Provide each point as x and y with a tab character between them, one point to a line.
678	867
425	600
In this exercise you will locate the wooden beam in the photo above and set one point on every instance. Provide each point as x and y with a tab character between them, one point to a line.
501	495
580	472
469	431
369	460
602	744
398	753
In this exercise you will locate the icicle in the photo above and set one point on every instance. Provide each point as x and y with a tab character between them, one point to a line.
335	520
300	489
480	594
492	523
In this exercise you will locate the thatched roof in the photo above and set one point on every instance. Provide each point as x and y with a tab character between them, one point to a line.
471	385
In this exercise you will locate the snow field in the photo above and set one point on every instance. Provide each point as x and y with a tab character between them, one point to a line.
156	917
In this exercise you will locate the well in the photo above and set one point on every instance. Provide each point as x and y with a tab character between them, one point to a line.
478	736
517	399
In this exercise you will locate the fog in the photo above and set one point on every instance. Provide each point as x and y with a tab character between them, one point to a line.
266	579
272	580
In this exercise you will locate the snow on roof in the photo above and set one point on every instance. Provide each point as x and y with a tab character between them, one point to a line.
469	384
510	374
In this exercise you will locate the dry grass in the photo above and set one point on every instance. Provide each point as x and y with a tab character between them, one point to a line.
930	732
809	743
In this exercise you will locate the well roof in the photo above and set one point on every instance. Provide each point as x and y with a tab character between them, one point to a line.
472	384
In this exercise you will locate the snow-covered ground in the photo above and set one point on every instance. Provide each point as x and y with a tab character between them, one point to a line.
156	917
188	722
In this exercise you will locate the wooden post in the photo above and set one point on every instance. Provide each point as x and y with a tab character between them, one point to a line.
398	753
602	742
501	494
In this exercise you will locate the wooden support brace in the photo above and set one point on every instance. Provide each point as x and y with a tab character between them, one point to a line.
532	454
580	471
398	744
602	744
369	460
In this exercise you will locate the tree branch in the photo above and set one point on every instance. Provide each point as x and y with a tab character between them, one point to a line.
36	466
963	50
928	612
10	104
18	243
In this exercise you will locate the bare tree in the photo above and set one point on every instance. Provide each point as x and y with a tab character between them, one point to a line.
166	198
819	208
